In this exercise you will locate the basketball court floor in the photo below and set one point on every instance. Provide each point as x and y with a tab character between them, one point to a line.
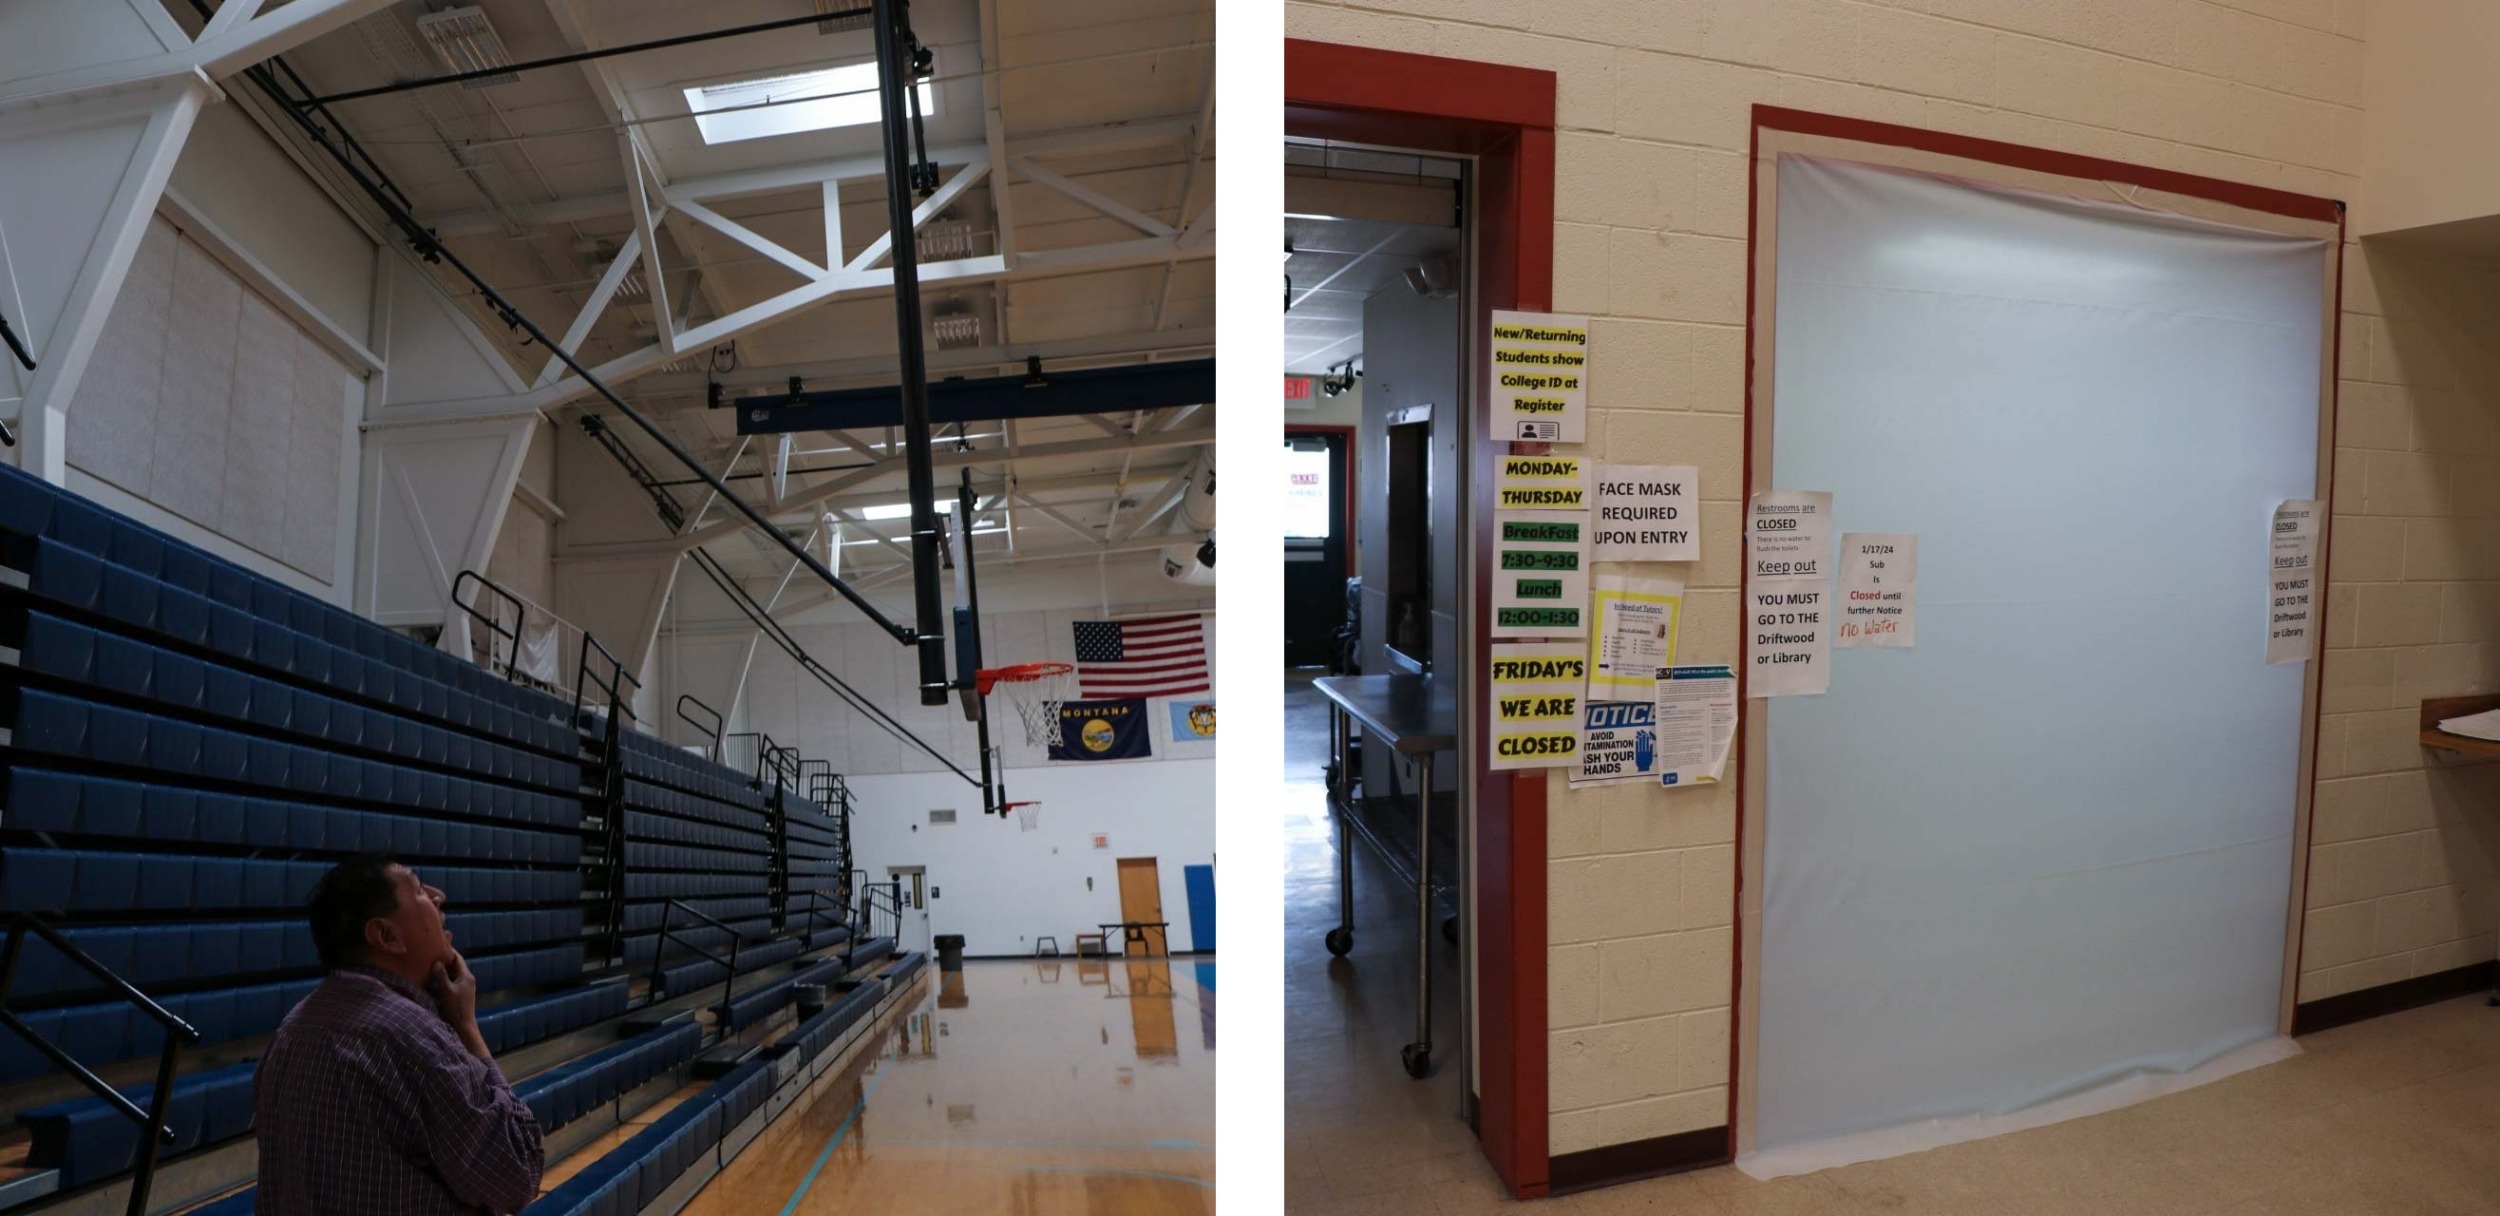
1031	1087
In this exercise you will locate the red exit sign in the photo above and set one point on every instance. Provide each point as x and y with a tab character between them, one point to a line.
1297	388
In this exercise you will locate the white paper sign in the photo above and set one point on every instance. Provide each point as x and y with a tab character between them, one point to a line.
1535	691
1878	590
1695	720
1540	377
1647	513
1618	742
1788	593
1788	534
2292	581
1540	574
1632	635
1542	483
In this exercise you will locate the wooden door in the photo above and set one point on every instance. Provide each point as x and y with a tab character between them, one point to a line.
1141	899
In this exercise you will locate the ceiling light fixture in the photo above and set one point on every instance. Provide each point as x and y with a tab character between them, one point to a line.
467	42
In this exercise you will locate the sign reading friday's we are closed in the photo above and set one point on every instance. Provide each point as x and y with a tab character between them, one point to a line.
1540	377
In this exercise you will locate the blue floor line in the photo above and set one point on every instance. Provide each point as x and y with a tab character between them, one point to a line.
836	1142
1086	1169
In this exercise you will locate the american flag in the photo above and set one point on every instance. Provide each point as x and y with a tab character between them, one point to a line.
1157	656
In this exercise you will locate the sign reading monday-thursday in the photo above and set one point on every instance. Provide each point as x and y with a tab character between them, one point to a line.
1540	377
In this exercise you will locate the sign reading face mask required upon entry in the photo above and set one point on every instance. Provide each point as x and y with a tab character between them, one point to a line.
1646	513
1540	377
1535	690
1540	574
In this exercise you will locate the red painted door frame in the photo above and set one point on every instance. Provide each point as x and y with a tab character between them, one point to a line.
1504	117
1353	479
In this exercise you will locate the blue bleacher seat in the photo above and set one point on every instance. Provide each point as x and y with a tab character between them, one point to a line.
86	1139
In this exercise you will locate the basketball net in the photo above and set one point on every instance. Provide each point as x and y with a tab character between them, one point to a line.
1037	690
1028	814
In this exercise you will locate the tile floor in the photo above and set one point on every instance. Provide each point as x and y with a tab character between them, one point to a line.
2394	1117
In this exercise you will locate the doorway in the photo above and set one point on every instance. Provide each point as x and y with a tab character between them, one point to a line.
1318	544
911	887
1141	901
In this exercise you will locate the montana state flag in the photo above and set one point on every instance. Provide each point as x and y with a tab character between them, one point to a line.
1103	730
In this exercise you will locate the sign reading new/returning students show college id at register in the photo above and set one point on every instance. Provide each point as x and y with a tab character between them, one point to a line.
1542	483
1535	690
1540	574
1540	377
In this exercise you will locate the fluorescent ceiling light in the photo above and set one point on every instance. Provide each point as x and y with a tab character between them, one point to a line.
805	101
467	42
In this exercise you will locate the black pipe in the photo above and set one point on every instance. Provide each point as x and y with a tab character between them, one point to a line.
433	250
1092	390
991	794
586	56
893	81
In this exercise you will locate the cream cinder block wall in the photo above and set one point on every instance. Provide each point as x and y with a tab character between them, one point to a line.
2405	841
1654	102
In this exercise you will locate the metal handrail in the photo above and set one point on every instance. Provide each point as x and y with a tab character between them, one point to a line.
868	894
494	621
729	965
177	1031
617	680
713	730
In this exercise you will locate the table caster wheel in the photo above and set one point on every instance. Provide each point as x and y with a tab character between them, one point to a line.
1418	1058
1449	929
1340	941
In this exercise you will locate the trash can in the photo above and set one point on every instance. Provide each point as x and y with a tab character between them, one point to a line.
950	948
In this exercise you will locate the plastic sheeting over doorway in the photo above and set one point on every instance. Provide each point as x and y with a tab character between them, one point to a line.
2047	852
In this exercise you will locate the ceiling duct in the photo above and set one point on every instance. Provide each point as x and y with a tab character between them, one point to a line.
467	42
1434	277
835	25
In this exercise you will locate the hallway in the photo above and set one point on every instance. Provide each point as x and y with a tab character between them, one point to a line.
1361	1136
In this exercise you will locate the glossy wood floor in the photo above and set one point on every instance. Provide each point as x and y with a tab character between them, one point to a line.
1033	1088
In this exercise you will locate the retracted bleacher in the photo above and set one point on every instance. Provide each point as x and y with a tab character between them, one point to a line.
187	745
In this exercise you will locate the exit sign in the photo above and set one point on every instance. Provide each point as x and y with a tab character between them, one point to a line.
1298	393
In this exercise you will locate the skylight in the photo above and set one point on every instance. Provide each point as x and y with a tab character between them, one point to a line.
902	510
806	101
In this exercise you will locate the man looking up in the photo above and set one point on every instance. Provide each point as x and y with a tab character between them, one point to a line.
378	1095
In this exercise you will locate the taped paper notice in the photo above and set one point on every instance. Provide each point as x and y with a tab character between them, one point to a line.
2291	582
1647	513
1540	377
1618	742
1788	534
1878	590
1540	574
1695	720
1788	593
1548	483
1632	635
1535	691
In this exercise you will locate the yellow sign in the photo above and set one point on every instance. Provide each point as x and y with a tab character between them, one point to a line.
1633	635
1536	703
1550	483
1540	364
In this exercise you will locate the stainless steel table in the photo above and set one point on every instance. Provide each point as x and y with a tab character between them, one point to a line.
1416	717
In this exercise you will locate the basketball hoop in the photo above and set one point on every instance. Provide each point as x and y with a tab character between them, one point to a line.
1037	690
1028	814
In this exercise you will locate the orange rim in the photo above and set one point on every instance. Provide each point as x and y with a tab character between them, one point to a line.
990	677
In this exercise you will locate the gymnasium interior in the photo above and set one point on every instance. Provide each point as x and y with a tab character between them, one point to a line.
512	437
